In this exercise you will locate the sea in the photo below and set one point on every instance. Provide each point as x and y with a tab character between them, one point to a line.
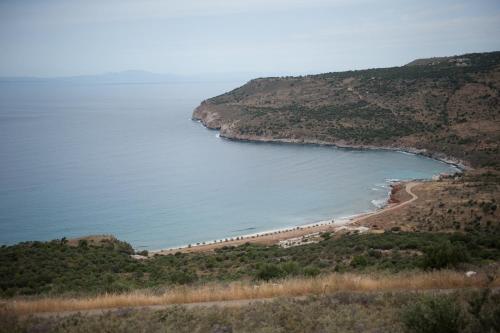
126	159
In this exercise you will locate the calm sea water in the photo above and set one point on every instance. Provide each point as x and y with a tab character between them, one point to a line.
127	160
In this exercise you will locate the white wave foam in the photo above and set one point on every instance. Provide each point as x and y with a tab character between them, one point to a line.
405	152
379	203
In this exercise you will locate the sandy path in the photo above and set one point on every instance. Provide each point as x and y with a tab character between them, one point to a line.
94	312
408	189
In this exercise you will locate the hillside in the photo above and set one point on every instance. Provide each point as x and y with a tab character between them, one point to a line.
443	107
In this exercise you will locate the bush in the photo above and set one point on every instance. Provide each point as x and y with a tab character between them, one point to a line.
444	254
375	253
359	261
433	314
290	268
182	277
484	310
268	272
311	271
326	235
9	321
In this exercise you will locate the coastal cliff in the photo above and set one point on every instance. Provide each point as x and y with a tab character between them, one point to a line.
447	108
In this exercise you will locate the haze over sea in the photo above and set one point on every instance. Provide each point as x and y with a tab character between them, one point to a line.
125	159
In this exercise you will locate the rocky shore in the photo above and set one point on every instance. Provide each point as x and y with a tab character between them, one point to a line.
208	115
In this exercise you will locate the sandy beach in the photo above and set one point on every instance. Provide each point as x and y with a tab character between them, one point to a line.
398	198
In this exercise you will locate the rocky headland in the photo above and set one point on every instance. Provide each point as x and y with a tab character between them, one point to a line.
446	108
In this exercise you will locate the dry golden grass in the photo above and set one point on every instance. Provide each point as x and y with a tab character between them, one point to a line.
244	290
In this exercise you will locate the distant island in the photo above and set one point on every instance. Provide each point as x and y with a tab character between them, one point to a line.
446	107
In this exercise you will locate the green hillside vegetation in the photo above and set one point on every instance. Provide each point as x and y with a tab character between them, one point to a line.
53	268
445	106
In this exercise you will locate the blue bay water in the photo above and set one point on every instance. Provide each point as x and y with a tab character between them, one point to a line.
126	159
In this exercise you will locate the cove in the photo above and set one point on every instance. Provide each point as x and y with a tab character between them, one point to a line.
125	159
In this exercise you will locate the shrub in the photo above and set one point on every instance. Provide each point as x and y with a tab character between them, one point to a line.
311	271
182	277
268	272
433	314
359	261
375	253
444	254
9	321
484	309
326	235
290	268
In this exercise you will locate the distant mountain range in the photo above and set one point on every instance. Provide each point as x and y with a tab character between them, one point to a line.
131	76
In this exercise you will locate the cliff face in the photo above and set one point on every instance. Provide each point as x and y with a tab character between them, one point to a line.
443	107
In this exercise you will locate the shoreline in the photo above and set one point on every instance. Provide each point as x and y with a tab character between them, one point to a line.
241	239
276	236
459	164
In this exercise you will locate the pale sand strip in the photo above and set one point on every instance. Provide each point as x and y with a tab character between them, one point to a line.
274	237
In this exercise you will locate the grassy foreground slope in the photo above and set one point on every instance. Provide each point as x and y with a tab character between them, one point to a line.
443	107
472	311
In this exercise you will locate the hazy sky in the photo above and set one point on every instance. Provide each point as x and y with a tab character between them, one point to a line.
65	37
